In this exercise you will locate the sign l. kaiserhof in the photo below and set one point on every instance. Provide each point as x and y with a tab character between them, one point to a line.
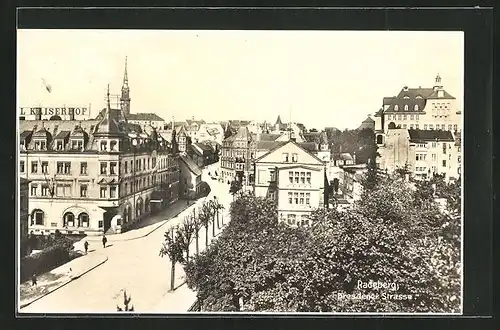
82	111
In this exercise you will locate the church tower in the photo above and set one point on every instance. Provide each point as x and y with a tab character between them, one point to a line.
125	98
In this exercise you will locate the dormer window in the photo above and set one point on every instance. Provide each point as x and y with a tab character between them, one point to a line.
40	145
59	145
418	97
285	157
76	144
113	146
104	146
295	158
406	97
415	107
406	107
396	108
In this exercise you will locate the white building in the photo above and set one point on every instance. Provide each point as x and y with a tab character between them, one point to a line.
294	178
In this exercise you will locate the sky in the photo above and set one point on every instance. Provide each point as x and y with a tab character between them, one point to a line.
318	78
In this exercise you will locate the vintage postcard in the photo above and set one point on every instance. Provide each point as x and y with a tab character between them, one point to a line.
183	171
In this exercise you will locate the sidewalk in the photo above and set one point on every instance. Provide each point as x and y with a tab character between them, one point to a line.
182	298
58	277
149	224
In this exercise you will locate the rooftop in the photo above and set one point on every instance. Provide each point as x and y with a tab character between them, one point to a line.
430	135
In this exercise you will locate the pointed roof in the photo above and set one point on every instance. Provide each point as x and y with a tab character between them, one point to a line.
278	121
368	120
299	145
42	132
108	126
125	76
243	134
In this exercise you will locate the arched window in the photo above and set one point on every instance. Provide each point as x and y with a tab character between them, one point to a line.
37	217
83	220
406	107
396	107
392	125
415	107
68	219
380	139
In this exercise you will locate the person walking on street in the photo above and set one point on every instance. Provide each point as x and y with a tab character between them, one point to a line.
104	240
86	245
33	279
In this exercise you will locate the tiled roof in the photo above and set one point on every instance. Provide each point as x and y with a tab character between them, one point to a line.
430	135
25	134
193	168
379	112
268	145
300	145
345	156
62	135
368	120
203	146
144	117
269	137
312	137
309	146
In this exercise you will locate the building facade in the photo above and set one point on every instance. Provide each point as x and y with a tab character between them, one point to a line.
91	176
423	152
292	177
419	108
190	181
23	215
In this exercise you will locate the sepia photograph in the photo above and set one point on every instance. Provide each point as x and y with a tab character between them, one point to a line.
239	171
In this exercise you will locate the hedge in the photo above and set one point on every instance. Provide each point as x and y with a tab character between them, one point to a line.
44	261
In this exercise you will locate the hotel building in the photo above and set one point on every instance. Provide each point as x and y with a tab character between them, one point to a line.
92	176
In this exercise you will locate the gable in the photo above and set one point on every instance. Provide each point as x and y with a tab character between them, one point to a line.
276	155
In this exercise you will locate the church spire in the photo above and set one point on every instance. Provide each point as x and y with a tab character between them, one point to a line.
125	75
125	97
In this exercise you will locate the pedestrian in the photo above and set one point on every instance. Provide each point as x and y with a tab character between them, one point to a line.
33	279
86	245
70	273
104	240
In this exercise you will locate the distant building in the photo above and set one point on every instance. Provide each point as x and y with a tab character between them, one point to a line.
368	123
423	152
294	178
419	108
190	181
350	182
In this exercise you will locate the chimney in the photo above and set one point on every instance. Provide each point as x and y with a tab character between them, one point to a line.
38	115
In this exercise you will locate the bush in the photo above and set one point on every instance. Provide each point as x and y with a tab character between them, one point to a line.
56	251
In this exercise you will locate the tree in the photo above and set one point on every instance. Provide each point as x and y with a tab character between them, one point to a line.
387	237
213	208
126	303
235	187
173	249
335	185
185	233
205	217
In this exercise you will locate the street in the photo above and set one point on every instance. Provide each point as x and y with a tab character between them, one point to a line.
133	265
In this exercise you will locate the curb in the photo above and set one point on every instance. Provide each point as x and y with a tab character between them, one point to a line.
64	284
154	229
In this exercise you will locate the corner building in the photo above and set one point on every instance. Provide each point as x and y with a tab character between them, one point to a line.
92	176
